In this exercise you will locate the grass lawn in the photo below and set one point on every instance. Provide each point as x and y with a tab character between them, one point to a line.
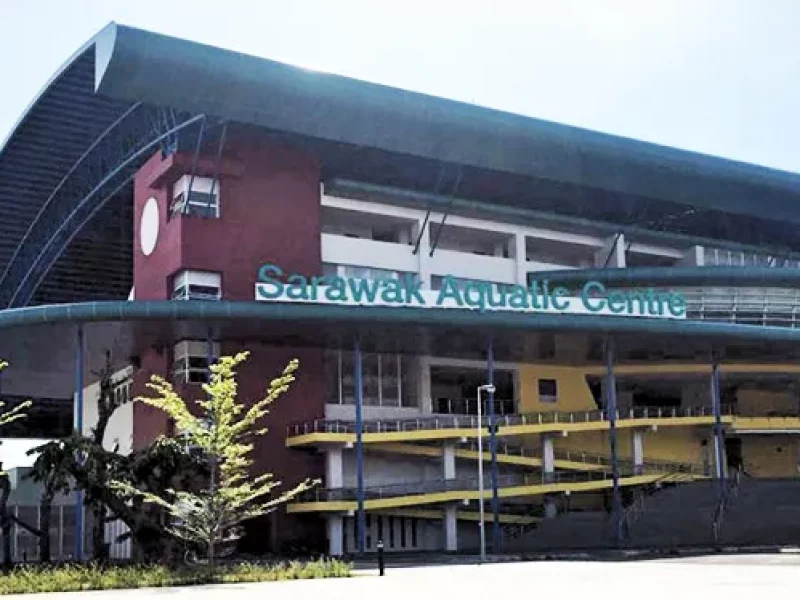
77	577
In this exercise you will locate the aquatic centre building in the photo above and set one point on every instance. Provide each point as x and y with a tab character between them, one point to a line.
623	316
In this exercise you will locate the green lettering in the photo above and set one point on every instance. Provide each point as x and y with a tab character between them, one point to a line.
559	300
265	279
412	288
336	290
392	291
518	297
363	290
677	304
450	290
617	302
593	296
297	287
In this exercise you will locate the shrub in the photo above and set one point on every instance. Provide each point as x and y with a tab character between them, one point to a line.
78	577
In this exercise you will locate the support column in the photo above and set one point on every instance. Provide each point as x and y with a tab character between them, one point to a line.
361	517
493	447
334	468
611	409
638	452
78	419
424	385
335	535
520	254
449	461
550	508
719	442
451	527
548	458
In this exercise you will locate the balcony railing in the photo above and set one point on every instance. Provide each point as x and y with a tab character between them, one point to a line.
746	306
469	406
471	422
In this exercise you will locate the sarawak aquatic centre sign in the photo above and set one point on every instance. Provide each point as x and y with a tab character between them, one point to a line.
539	296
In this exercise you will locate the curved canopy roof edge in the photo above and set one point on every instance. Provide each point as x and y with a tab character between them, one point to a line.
229	311
678	276
139	65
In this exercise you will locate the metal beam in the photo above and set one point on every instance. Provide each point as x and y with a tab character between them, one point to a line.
611	412
444	216
719	441
493	449
361	518
78	418
129	161
195	161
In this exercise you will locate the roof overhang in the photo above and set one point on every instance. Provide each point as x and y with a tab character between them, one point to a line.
135	65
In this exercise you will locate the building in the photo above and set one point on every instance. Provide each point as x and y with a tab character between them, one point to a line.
623	314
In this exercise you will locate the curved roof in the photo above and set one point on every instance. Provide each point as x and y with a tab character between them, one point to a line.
122	67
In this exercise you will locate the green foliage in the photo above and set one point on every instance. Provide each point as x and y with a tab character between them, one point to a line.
16	413
77	577
222	431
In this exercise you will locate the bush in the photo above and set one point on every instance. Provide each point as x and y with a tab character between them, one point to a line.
78	577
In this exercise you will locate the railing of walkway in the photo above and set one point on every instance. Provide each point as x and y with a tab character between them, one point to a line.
449	485
471	422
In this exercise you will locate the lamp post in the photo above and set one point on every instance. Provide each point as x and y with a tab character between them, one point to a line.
488	388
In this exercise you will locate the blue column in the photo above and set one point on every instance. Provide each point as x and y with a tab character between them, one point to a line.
78	419
719	442
493	450
611	409
361	517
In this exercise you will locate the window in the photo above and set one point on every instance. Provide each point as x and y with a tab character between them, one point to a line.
203	201
190	361
548	391
386	379
196	285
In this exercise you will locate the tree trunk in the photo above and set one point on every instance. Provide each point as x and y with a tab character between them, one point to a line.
45	516
99	532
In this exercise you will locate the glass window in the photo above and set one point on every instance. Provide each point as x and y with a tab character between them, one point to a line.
387	379
190	361
196	285
201	201
548	391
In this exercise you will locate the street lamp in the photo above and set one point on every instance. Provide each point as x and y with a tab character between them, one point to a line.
489	388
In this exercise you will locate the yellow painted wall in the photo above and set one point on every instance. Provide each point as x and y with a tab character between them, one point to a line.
573	391
770	455
754	402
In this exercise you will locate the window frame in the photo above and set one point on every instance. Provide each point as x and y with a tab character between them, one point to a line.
183	282
183	371
182	199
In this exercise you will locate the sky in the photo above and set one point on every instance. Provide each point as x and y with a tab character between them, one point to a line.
713	76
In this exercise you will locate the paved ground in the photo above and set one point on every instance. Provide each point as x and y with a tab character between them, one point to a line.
755	577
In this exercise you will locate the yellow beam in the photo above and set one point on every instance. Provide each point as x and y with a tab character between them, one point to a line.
509	459
766	423
414	500
693	369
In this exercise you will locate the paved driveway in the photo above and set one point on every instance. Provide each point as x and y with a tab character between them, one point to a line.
758	577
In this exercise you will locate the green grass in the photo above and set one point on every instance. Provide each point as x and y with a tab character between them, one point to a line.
78	577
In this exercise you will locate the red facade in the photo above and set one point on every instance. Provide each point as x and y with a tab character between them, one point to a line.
269	212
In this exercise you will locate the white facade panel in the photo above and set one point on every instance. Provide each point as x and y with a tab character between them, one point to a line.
473	266
341	250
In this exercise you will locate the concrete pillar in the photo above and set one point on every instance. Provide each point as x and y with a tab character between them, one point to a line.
520	256
693	257
612	254
424	383
451	528
449	461
548	458
550	508
638	452
335	535
423	254
334	468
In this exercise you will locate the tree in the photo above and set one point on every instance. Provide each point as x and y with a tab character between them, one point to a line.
51	469
6	417
223	432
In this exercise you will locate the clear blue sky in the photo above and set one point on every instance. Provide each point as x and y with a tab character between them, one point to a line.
715	76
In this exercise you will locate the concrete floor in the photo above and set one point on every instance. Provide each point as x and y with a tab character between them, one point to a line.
754	577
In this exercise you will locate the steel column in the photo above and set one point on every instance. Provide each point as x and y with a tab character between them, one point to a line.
493	449
78	419
611	410
719	442
361	517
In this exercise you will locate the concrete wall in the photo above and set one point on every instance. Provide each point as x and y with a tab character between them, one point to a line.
771	455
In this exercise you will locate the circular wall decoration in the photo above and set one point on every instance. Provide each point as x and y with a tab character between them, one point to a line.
148	228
